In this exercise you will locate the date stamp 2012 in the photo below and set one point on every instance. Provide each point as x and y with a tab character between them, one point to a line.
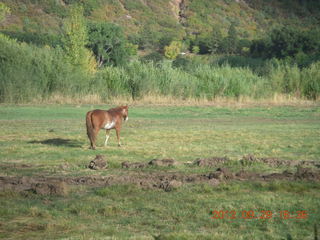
260	215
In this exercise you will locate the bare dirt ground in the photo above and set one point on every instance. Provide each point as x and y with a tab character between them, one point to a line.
306	170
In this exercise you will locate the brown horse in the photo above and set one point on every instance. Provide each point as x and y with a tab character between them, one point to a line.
105	119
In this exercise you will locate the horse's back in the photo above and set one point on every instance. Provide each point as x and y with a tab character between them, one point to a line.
100	118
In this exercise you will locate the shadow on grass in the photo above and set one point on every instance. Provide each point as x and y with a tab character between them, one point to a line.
59	142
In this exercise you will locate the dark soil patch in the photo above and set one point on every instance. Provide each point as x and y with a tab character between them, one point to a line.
155	162
42	186
222	174
161	180
133	165
247	175
307	174
163	162
275	162
211	162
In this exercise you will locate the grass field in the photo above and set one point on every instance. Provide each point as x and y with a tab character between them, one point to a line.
51	141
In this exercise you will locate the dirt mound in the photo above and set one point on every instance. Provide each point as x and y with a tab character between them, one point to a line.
247	175
285	175
170	185
222	174
52	188
98	163
211	162
307	174
275	162
163	162
167	181
309	164
133	165
155	162
42	186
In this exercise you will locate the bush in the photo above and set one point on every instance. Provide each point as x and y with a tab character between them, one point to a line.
28	72
108	43
310	84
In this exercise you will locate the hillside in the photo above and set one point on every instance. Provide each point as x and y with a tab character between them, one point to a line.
153	22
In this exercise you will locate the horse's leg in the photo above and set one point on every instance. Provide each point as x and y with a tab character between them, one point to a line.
118	136
107	137
93	142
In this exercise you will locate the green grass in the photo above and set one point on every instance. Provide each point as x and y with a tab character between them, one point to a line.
28	135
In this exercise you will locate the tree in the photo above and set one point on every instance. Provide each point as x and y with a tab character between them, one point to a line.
215	40
75	40
209	42
288	42
108	43
172	51
230	44
195	49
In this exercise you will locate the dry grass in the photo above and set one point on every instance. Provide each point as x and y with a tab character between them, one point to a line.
243	101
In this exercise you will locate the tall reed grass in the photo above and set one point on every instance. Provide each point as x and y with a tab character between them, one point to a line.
28	72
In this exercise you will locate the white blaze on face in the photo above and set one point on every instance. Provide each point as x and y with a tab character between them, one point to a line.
109	125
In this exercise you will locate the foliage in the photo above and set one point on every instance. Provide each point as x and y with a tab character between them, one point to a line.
75	40
88	5
40	39
195	49
310	85
108	44
173	50
287	42
156	23
28	72
4	10
230	43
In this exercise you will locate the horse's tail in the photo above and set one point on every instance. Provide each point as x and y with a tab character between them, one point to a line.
90	131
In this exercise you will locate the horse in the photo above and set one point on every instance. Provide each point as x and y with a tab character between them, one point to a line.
105	119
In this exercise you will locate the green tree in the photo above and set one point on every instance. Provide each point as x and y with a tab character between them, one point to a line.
302	47
215	40
230	44
195	49
75	40
172	51
108	43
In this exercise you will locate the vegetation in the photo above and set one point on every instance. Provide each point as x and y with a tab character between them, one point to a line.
75	40
39	65
50	140
45	72
157	51
173	50
302	47
4	10
108	44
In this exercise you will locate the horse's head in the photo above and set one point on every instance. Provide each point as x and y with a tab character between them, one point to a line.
125	113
